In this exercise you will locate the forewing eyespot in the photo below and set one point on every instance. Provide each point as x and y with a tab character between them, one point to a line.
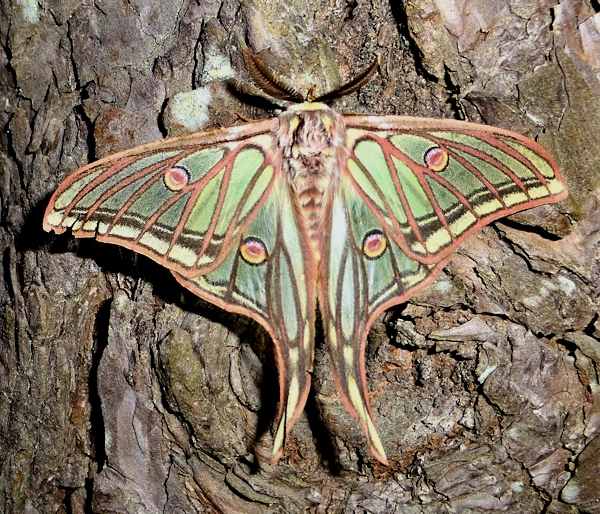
436	158
176	178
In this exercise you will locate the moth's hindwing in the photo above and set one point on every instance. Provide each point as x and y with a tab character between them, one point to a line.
409	196
267	278
365	272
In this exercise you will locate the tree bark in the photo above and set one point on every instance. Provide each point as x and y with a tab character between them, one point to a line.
121	392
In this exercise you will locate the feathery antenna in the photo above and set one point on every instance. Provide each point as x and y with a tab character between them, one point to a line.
269	83
278	88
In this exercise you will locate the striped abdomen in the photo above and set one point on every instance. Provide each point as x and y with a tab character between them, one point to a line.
311	136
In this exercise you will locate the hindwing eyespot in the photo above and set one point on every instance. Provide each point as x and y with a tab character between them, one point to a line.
253	251
374	244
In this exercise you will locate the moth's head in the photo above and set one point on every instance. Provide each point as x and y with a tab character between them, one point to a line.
278	87
309	106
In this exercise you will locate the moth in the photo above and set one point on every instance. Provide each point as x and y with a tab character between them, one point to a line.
272	219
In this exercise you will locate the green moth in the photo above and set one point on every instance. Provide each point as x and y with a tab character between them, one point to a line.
313	209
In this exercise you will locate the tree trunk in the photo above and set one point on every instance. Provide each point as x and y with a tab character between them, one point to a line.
121	392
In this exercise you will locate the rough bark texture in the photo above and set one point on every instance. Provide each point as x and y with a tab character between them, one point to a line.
122	393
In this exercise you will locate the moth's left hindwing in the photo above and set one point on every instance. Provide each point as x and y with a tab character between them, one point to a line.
365	271
411	191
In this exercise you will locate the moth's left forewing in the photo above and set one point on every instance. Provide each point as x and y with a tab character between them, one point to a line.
440	180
